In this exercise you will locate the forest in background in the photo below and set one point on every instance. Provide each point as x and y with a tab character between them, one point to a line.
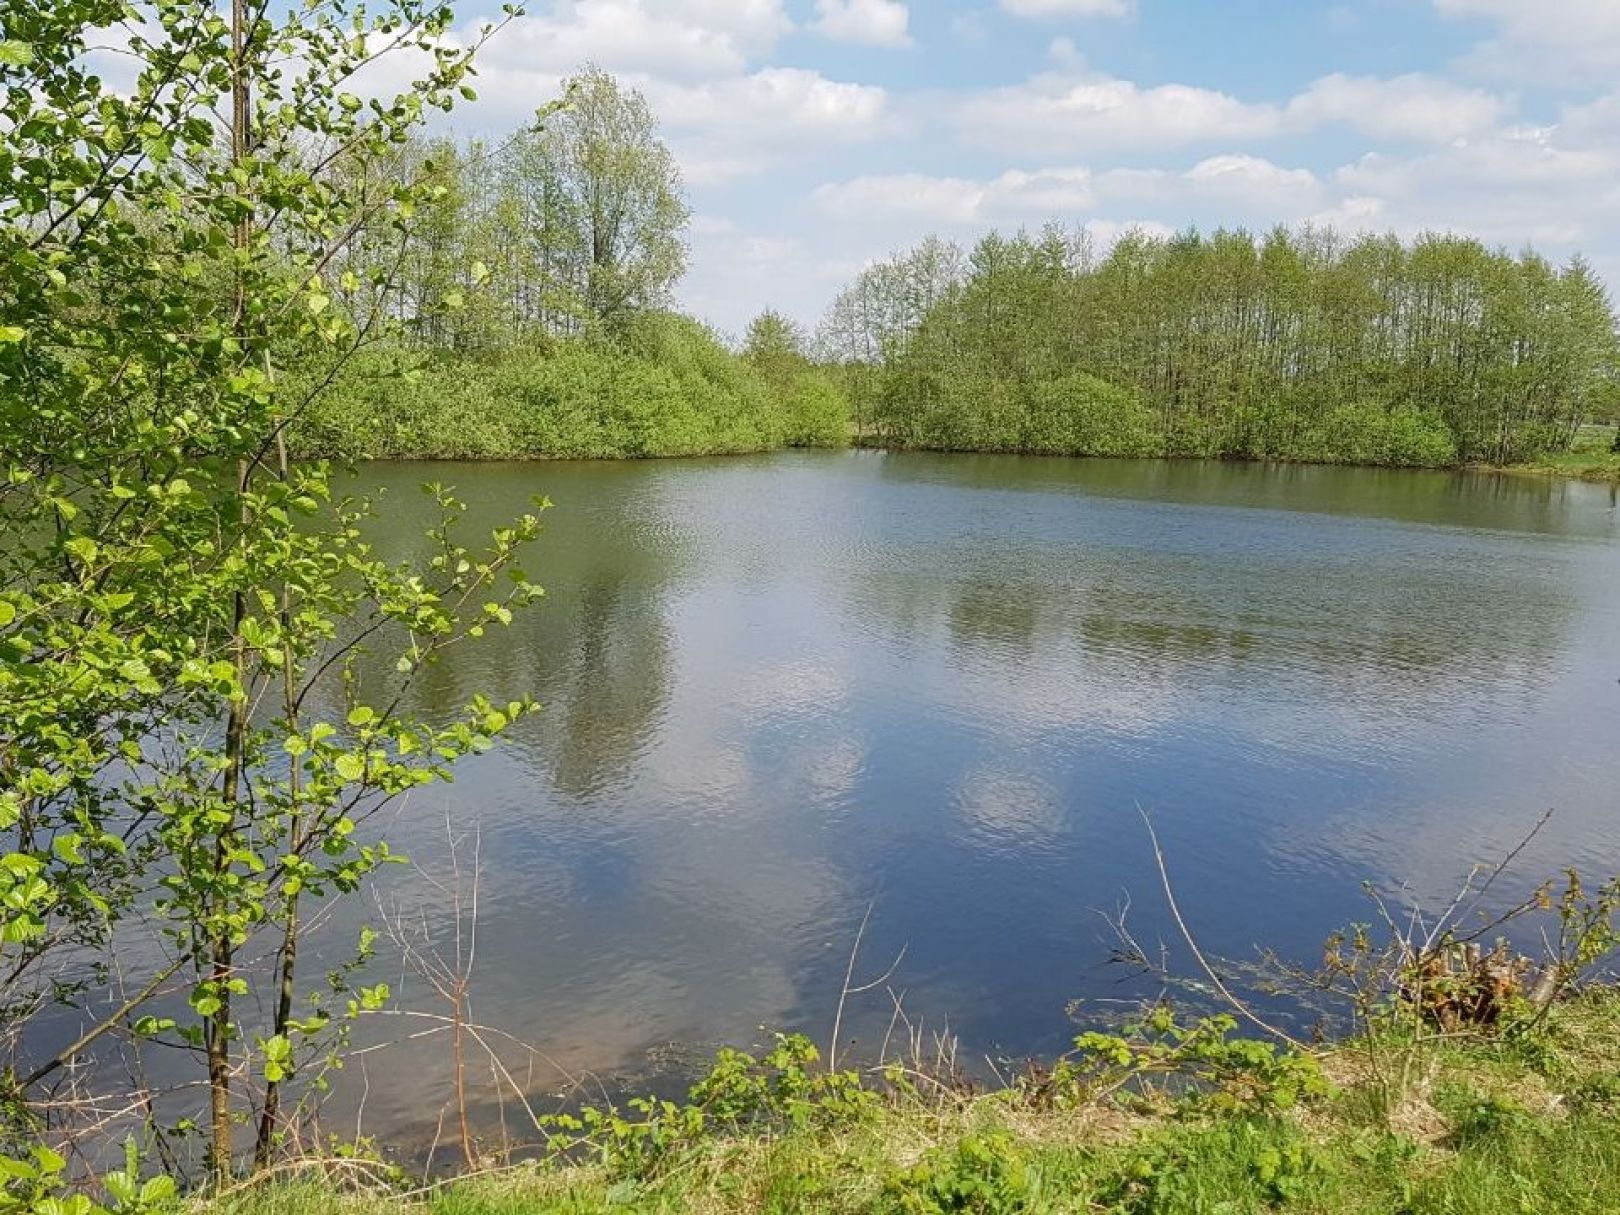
528	308
1303	345
534	297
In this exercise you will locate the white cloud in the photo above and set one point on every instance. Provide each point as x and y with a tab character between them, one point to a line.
1543	39
1044	9
1597	120
1520	185
682	39
1062	112
1070	109
721	120
944	200
1414	106
736	274
731	127
870	22
1240	186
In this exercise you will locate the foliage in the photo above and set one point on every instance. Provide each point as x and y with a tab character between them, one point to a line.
981	1175
664	387
1300	346
39	1186
741	1094
599	201
186	757
533	290
815	412
1498	1139
571	225
1200	1065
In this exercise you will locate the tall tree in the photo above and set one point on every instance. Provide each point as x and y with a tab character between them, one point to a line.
182	754
601	201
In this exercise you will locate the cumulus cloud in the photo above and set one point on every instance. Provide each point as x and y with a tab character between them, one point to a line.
870	22
1545	39
1236	185
1410	107
1520	185
1248	184
1011	197
1072	109
1040	9
738	125
1072	112
736	273
1596	120
682	39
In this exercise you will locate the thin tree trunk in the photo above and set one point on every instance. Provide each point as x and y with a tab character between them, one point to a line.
217	1028
287	958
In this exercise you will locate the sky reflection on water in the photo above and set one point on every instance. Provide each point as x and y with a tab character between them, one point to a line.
782	689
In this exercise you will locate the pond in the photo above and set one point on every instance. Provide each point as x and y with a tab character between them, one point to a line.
788	691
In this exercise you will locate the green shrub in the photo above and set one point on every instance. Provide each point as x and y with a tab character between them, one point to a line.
983	1174
817	412
1370	433
664	386
779	1091
1231	1166
1199	1065
1085	416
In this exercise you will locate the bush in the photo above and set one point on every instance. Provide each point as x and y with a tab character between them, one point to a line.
1230	1166
664	387
983	1174
817	412
1085	416
1370	433
779	1091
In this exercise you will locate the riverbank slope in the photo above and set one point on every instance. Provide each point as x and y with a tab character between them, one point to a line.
1475	1125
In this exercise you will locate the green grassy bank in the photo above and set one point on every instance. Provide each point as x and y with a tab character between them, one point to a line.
1592	457
1463	1124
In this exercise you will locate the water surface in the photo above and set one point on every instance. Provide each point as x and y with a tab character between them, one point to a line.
781	691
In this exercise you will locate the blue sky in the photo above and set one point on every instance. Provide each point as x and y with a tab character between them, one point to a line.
816	135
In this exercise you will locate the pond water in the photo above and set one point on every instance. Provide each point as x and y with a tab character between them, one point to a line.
783	691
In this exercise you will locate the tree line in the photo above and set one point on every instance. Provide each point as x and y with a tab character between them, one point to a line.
532	296
532	299
1302	345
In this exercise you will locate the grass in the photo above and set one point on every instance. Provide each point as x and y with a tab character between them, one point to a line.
1591	458
1483	1127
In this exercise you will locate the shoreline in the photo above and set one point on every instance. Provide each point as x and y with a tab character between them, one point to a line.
1598	473
1431	1124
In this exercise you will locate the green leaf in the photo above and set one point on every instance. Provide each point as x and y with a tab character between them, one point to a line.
16	54
350	767
66	847
82	547
10	335
158	1190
